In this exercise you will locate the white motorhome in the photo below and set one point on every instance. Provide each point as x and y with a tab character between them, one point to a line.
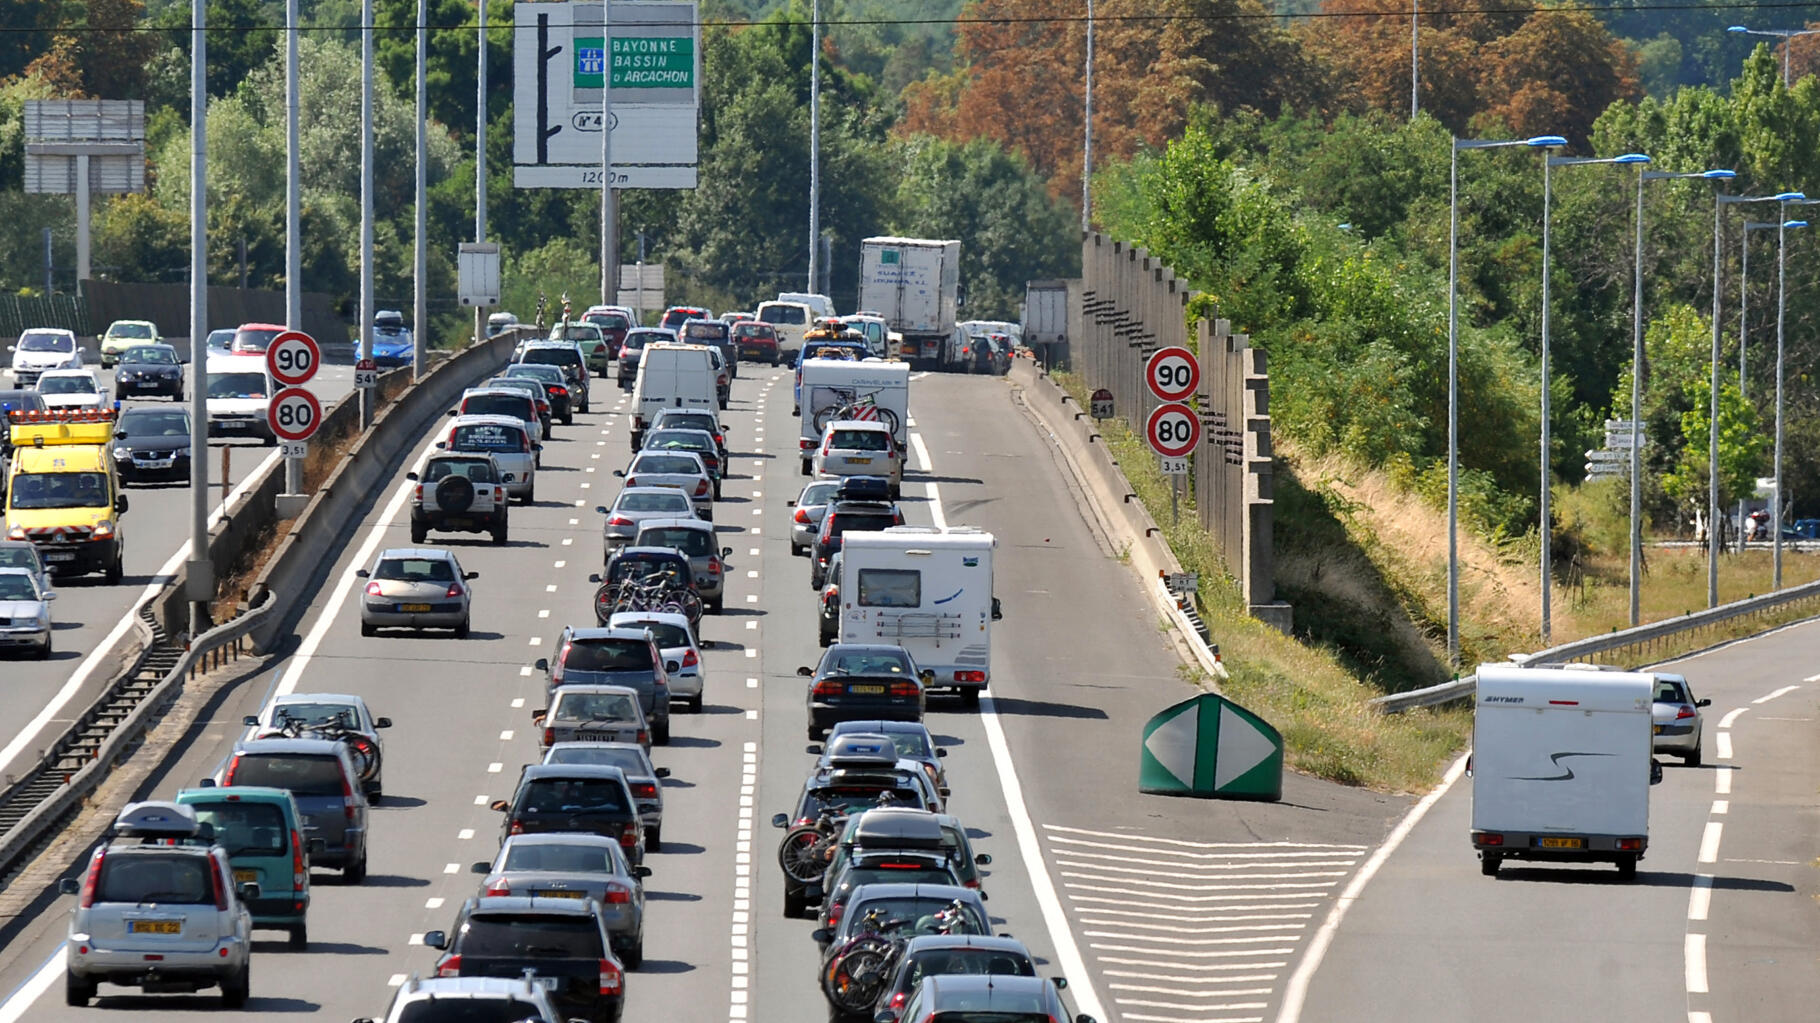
830	384
927	589
821	305
672	376
1561	765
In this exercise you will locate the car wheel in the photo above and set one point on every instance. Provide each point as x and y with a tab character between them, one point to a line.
660	734
826	639
797	550
654	838
357	872
970	698
116	571
634	957
805	467
1692	759
695	705
44	652
531	493
368	629
419	531
717	490
794	903
499	531
1488	863
1627	866
235	989
715	604
300	938
77	990
569	420
461	631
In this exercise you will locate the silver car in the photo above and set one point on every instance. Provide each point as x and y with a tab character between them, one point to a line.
520	999
852	447
335	715
589	713
634	762
415	588
159	910
508	440
695	540
575	865
676	641
681	470
635	505
1678	719
810	506
25	612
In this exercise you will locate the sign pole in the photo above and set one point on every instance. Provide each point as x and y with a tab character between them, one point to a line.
200	584
480	162
420	312
609	261
365	346
293	213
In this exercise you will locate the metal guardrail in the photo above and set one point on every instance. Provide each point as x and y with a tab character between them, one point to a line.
23	837
1580	649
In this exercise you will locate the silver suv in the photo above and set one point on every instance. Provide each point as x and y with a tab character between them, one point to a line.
459	492
518	999
159	910
697	541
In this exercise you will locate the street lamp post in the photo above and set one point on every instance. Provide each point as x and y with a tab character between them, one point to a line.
1787	35
1547	559
1453	371
1775	497
1744	317
1636	389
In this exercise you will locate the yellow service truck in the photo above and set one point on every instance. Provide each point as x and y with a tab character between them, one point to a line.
61	490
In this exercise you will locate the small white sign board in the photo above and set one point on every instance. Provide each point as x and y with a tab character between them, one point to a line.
478	266
1173	466
294	448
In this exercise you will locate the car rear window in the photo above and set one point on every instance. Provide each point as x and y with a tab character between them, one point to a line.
687	421
660	463
572	707
666	634
607	655
860	440
992	961
860	521
626	760
972	1015
673	570
148	877
552	356
609	321
487	437
680	440
530	936
670	502
496	405
783	314
875	661
305	774
415	570
706	331
747	328
696	543
918	873
574	795
245	828
848	799
469	1009
918	908
479	472
586	859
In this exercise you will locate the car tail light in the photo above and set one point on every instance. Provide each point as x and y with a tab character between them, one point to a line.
219	886
690	659
827	446
713	566
499	889
227	777
834	914
561	392
300	871
1684	713
631	481
93	880
643	737
829	688
891	453
973	883
619	520
454	590
347	799
805	444
628	835
449	967
701	488
1488	838
802	515
897	1001
499	495
617	894
549	737
517	827
419	492
970	676
561	660
612	982
373	589
1630	844
903	689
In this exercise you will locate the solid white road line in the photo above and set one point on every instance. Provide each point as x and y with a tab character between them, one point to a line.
1295	993
80	676
35	987
1784	691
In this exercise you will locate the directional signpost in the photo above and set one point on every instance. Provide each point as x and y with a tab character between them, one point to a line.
1211	748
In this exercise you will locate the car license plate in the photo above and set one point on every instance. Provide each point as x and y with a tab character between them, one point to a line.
859	461
866	690
1658	729
154	927
1561	843
245	876
60	556
548	983
456	522
558	893
414	608
156	463
232	424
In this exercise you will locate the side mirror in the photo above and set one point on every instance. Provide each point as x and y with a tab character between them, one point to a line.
69	886
1703	703
480	867
662	772
410	476
928	678
884	1016
205	783
791	503
452	412
621	473
779	820
813	749
724	551
441	444
539	714
982	859
120	504
542	664
50	595
941	751
249	890
1061	983
1655	772
600	509
806	672
641	872
997	612
250	720
362	574
1084	1018
471	575
119	434
823	935
382	722
500	805
436	939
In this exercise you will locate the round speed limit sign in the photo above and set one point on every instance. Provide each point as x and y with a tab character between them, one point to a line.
294	414
292	358
1174	430
1172	373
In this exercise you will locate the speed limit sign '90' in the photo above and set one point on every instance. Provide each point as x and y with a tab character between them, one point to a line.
1172	373
292	358
1173	430
294	414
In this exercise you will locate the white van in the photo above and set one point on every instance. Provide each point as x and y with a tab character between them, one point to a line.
791	320
1561	765
239	395
820	305
928	590
830	384
672	376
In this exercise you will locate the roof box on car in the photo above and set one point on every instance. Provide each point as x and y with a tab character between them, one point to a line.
159	820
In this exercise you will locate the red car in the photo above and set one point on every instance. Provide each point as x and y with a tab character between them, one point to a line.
254	338
677	315
756	342
613	327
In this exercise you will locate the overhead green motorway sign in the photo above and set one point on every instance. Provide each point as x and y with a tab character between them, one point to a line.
1212	748
639	62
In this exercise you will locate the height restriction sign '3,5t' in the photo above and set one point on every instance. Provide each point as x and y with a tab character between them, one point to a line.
294	414
1173	430
292	358
1172	373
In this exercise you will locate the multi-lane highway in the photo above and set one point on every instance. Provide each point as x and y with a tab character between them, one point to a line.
1157	910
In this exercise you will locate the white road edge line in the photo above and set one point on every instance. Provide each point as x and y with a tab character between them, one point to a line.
80	676
1784	691
1295	993
1731	716
32	988
1696	964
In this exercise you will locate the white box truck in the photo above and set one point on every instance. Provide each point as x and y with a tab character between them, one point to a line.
928	590
914	283
1045	314
1561	765
881	390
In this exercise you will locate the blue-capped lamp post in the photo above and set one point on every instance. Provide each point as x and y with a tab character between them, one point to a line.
1787	35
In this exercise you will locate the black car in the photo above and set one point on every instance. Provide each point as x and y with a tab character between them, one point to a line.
861	681
555	385
149	371
716	334
566	356
152	443
562	942
692	419
591	798
840	517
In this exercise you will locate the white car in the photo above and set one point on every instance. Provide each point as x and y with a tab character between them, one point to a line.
70	388
25	610
43	348
678	645
682	470
511	443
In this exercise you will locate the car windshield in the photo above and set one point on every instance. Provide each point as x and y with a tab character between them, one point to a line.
59	490
392	330
860	440
575	795
680	440
469	1009
146	355
569	859
487	437
305	774
792	314
244	828
529	936
627	760
221	339
30	342
415	570
595	706
672	501
552	356
747	328
343	715
173	879
998	962
495	405
78	384
237	385
476	470
17	587
672	570
131	330
608	654
146	423
19	557
665	464
255	339
865	662
695	543
918	913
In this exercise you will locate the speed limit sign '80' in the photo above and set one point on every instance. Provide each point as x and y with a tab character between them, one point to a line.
294	414
1173	430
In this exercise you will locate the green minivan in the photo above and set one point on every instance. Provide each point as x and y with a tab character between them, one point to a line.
262	832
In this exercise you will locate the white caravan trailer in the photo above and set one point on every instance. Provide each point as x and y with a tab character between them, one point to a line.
928	590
